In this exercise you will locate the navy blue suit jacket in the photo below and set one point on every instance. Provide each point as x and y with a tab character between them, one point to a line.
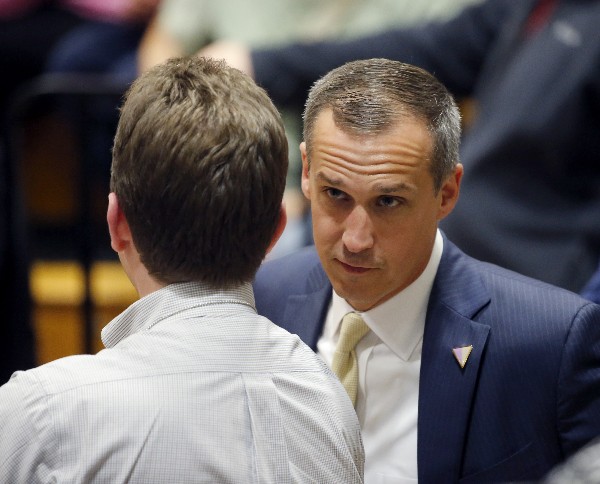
529	394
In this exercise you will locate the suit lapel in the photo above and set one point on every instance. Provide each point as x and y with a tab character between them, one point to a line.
446	390
304	314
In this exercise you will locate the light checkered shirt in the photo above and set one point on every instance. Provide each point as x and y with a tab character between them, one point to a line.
194	386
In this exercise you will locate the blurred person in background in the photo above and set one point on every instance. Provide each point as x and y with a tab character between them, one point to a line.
530	201
36	33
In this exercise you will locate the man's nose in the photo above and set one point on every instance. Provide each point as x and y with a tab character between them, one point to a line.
358	232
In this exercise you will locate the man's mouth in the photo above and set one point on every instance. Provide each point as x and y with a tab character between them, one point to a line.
354	269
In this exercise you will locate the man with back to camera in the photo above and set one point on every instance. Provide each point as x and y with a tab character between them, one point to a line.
193	385
461	371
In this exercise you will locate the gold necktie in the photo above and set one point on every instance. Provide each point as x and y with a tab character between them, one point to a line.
344	363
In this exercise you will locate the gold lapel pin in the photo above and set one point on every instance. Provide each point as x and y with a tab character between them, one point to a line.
462	354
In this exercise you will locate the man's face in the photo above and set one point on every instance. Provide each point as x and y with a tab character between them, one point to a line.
374	209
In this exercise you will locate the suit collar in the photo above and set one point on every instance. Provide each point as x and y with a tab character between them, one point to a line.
305	313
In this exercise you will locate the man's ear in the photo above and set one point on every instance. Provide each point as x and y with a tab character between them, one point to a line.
305	179
118	228
449	192
280	227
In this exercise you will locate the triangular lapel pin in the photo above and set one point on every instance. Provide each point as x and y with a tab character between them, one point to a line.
462	354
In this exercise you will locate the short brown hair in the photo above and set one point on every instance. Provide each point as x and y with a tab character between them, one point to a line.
199	166
370	96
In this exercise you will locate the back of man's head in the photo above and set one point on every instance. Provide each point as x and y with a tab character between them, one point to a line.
199	168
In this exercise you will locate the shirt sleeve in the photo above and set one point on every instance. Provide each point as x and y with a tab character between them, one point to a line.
454	51
26	452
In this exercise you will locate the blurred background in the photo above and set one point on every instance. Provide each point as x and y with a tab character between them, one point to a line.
66	65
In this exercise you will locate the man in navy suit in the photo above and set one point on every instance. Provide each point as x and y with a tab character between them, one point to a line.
468	372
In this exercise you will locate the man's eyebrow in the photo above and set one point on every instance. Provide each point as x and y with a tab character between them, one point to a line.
381	188
329	181
395	188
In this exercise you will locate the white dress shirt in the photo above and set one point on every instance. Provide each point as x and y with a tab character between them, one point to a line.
194	387
389	361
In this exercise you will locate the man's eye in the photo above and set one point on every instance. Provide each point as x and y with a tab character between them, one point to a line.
388	202
335	193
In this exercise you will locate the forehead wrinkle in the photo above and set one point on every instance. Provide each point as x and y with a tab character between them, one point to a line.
373	168
375	150
371	160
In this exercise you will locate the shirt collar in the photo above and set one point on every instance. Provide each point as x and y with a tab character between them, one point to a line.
168	301
400	321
